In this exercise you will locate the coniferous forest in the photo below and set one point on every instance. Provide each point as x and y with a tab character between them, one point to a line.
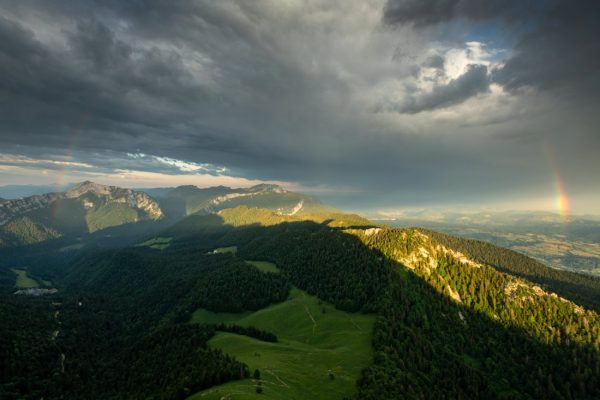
448	325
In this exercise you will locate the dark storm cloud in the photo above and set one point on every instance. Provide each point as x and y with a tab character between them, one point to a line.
286	90
556	41
474	81
429	12
194	81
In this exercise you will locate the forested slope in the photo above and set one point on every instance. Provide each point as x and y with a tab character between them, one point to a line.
448	326
584	289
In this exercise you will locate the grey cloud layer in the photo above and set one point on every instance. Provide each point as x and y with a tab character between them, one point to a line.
473	82
287	91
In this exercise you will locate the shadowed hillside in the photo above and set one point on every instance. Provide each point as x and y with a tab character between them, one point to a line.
447	327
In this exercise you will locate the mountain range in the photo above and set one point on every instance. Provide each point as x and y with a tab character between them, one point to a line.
265	293
89	207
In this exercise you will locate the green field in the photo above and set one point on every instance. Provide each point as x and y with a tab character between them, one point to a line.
223	250
320	352
24	281
159	243
264	266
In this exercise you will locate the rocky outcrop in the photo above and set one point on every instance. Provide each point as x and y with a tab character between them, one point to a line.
134	199
10	209
13	208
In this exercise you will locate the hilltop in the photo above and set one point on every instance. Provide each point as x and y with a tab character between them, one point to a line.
186	200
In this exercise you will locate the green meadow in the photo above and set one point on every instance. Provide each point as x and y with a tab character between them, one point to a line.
319	355
264	266
23	280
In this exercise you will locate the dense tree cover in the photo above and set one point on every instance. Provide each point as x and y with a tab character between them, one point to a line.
240	287
107	358
333	266
24	230
249	331
580	288
491	345
28	358
446	329
507	338
119	331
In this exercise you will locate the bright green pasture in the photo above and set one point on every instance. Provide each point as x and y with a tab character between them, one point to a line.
23	280
320	352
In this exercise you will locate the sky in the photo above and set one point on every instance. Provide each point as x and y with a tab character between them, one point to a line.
371	104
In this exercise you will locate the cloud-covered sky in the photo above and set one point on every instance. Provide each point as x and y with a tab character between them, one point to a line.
373	104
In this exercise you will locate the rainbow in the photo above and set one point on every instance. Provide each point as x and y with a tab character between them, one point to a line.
62	172
561	200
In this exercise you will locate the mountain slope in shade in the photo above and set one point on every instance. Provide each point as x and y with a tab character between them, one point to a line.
186	200
86	208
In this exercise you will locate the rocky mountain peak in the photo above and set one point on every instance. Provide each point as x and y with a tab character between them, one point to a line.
88	187
267	187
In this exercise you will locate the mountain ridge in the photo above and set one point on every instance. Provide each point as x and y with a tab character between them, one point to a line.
85	208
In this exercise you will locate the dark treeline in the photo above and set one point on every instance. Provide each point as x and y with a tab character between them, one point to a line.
331	265
28	357
249	331
238	287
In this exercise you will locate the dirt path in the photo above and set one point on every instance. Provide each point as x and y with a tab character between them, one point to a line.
62	356
278	378
312	318
62	362
355	324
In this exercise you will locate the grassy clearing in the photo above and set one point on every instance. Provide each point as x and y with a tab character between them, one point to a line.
223	250
264	266
320	352
159	243
24	281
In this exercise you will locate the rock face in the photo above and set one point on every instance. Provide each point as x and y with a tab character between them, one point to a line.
186	200
86	208
266	187
146	203
90	187
134	199
13	208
